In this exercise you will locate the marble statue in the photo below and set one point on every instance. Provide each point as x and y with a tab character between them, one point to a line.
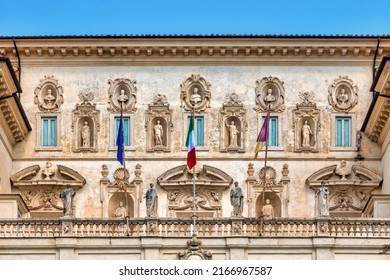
237	200
195	96
151	201
67	197
343	170
233	134
306	131
158	133
49	98
269	97
86	135
323	199
120	211
268	210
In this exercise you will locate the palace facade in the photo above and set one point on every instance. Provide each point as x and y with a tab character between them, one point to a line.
322	193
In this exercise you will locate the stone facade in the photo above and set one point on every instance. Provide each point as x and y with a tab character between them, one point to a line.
307	85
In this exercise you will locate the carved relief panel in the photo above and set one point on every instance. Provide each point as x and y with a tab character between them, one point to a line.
159	125
121	197
211	182
48	95
350	187
269	92
265	193
85	124
343	94
122	91
195	93
41	187
306	124
232	124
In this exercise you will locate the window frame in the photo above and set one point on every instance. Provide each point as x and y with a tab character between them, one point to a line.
205	146
279	117
333	131
39	132
113	132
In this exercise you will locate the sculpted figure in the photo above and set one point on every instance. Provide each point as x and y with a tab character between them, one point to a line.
195	96
158	133
120	211
237	200
268	210
151	201
306	131
49	98
122	96
48	171
67	197
233	134
342	96
343	170
269	97
323	198
86	135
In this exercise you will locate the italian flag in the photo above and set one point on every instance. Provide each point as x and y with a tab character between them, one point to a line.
190	143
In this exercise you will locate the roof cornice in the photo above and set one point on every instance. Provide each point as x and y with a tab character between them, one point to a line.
63	50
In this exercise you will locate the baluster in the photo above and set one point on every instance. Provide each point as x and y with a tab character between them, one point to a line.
364	230
370	230
382	230
376	229
357	230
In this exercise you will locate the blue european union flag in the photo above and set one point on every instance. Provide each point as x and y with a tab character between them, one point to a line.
119	141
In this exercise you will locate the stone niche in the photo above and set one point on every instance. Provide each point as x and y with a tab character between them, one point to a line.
48	95
195	94
210	183
40	188
122	93
306	124
343	94
350	187
232	124
263	187
159	125
121	190
85	124
270	91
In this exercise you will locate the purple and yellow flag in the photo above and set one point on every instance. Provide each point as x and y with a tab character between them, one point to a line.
263	135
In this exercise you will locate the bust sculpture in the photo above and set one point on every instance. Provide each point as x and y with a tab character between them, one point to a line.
268	210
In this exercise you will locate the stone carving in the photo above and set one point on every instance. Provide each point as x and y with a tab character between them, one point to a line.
120	211
349	188
237	227
237	200
323	198
85	123
158	125
48	171
306	124
343	94
194	251
67	197
270	92
343	170
233	125
151	201
268	210
48	95
210	184
122	93
195	94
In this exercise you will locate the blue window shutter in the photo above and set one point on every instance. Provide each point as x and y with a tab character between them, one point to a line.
347	132
53	131
343	131
45	132
49	131
339	132
273	131
199	131
126	131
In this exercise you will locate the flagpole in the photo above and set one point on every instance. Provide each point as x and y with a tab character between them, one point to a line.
193	184
264	175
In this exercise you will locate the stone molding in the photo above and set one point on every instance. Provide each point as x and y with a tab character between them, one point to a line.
128	89
195	93
48	95
343	94
270	91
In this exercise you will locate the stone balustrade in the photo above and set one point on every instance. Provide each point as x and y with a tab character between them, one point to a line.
181	227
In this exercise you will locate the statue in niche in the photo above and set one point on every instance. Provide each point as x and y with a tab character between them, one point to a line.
323	199
268	210
343	170
195	96
233	134
151	201
237	200
306	131
269	96
67	196
158	134
342	97
122	96
120	211
48	171
86	135
49	99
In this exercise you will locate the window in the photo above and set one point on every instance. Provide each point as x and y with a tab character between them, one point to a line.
343	132
198	130
126	130
49	131
273	131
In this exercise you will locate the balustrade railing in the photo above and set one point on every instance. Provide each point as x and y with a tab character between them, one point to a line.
181	227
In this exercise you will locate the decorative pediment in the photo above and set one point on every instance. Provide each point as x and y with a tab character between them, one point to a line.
270	92
350	187
41	187
122	91
343	94
49	95
195	93
210	184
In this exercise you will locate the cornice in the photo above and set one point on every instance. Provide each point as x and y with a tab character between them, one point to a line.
60	50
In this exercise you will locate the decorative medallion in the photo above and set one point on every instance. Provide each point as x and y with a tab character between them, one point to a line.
269	92
122	92
343	94
195	93
48	95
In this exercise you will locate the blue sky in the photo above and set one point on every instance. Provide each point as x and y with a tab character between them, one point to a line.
87	17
